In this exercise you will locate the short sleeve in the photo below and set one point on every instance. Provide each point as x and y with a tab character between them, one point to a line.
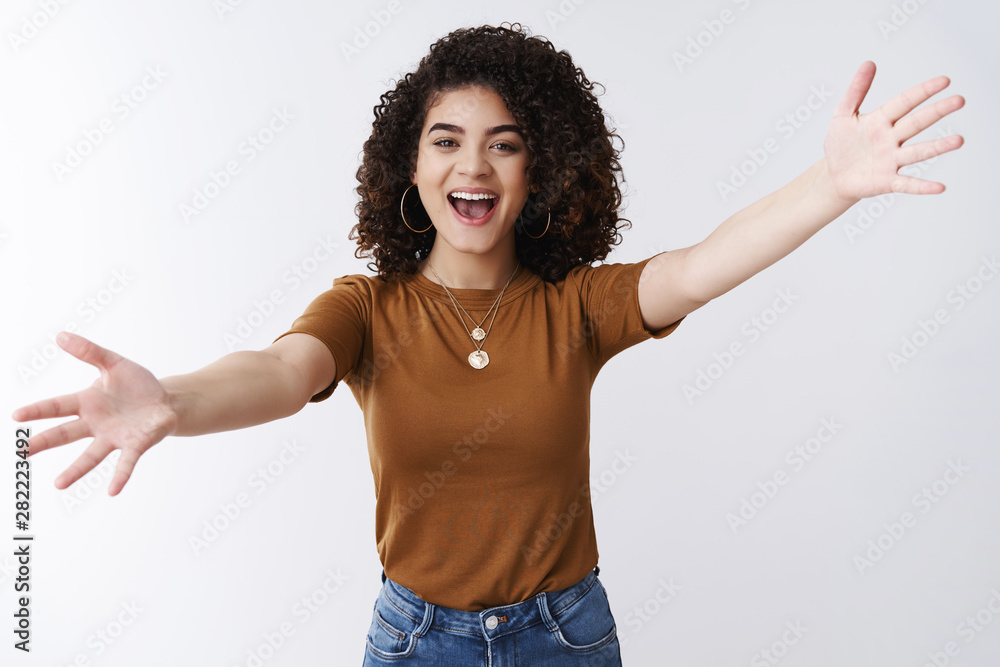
609	294
339	318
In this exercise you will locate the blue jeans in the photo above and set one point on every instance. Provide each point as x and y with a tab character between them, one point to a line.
571	627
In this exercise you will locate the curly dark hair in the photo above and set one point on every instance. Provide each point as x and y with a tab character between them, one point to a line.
573	168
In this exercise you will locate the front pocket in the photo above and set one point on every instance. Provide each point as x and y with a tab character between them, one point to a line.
386	640
585	624
582	648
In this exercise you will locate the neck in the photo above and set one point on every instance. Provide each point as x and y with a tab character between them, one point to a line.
461	270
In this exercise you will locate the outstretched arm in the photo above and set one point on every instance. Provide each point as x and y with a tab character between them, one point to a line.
129	409
863	155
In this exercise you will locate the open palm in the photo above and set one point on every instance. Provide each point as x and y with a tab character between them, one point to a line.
126	408
864	152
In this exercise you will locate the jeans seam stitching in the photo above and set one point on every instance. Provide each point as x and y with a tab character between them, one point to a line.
576	599
400	609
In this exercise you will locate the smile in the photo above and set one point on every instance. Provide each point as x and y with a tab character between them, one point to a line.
472	209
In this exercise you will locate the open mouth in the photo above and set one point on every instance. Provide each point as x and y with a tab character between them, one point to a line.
474	209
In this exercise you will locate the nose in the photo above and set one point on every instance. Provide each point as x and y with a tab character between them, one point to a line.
473	162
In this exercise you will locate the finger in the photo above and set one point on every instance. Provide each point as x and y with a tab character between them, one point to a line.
857	90
123	471
86	462
58	436
925	150
918	122
60	406
916	186
909	100
87	351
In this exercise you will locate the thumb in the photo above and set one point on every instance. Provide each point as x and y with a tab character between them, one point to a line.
87	351
850	103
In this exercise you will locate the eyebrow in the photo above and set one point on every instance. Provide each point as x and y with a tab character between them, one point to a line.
490	131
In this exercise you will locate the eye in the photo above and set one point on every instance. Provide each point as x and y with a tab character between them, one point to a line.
505	146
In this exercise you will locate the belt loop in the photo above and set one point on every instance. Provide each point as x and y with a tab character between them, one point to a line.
543	607
425	625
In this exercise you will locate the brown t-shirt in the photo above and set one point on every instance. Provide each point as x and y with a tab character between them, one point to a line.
481	476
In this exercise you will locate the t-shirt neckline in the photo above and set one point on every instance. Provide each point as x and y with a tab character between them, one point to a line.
522	283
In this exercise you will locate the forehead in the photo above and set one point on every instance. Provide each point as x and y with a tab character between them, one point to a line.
468	106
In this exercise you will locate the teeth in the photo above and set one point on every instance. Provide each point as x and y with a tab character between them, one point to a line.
472	197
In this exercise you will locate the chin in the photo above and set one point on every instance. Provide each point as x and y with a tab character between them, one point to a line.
471	246
474	241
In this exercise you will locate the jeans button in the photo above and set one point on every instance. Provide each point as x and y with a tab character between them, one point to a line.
492	622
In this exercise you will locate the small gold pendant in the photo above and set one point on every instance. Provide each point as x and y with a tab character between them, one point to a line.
478	334
478	360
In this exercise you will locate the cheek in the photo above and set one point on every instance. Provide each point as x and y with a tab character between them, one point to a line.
518	182
430	166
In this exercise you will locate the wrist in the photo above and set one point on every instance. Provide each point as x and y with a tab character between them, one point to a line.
825	187
178	408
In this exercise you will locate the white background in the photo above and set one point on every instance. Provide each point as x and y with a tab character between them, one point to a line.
661	520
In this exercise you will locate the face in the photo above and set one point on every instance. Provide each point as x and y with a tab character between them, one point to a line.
470	142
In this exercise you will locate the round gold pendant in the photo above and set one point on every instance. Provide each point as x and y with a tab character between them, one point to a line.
479	359
478	334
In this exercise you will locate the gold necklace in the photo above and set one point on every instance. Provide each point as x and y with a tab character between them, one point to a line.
478	359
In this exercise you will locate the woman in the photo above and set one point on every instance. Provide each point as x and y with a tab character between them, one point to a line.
489	186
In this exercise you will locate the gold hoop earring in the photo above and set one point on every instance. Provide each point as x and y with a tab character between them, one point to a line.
525	230
404	217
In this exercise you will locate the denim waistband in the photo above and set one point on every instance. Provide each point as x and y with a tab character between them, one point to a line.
493	622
